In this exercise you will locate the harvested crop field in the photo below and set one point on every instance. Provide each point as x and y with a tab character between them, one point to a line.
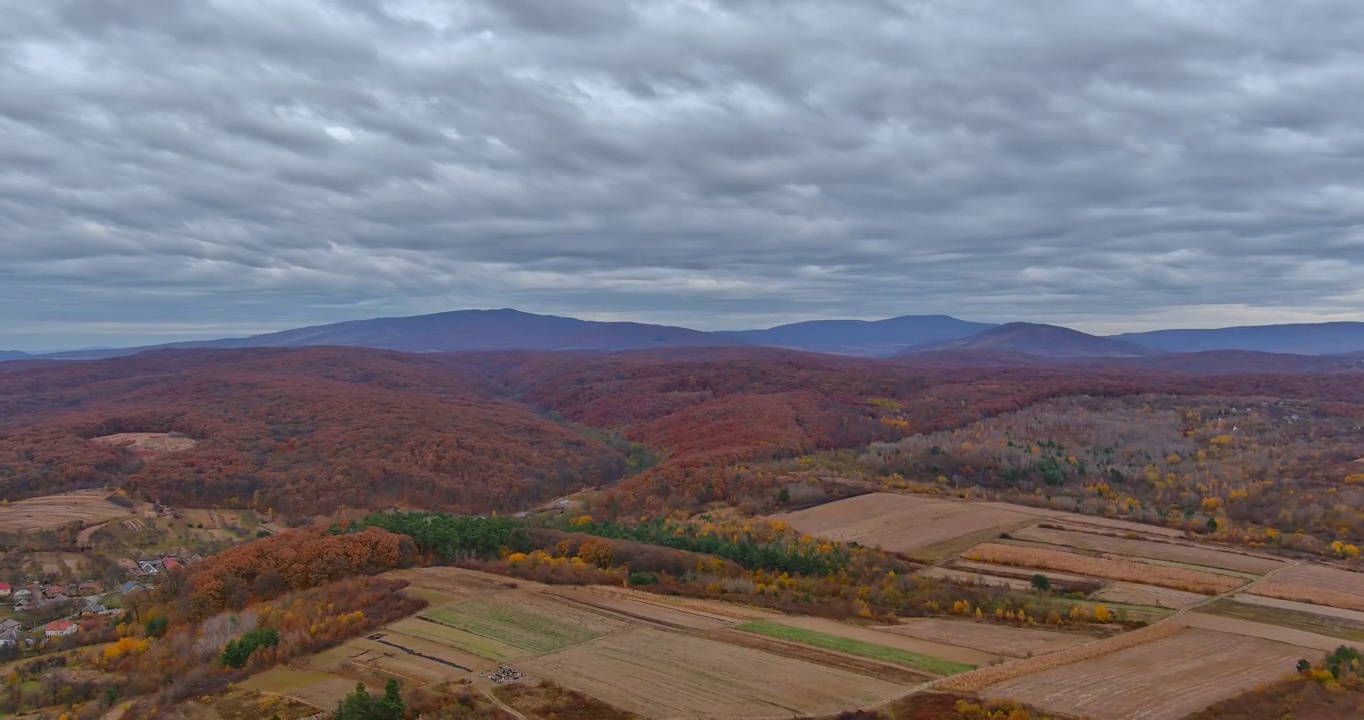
1093	523
902	523
1316	584
641	611
978	680
1149	595
441	634
1288	614
148	443
283	680
1111	568
87	507
325	694
662	674
530	622
1266	631
1001	639
1165	679
1152	549
923	655
1353	616
456	583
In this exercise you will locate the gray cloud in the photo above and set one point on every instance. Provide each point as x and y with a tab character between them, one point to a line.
172	170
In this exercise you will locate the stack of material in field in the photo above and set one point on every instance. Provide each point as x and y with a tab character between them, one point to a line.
504	674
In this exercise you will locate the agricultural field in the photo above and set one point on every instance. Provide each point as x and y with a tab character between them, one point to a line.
1111	568
532	623
49	512
1173	551
922	655
1127	593
1351	616
1316	584
907	523
1263	630
1164	679
318	689
662	674
1347	626
1004	640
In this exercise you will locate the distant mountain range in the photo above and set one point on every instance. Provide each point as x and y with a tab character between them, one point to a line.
1333	338
874	338
1049	341
944	336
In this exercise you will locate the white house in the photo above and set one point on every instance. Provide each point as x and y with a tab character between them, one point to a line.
61	628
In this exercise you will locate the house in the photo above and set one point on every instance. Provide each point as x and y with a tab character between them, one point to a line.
5	589
149	567
53	591
11	638
171	563
61	628
130	586
22	594
94	608
11	625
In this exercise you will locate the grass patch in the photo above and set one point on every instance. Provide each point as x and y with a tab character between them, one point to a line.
896	656
1284	617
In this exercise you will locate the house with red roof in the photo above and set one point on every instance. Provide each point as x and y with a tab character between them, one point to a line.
5	589
61	628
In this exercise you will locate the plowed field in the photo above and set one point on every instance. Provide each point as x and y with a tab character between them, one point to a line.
1162	680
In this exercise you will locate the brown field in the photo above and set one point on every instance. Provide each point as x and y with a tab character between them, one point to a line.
325	694
1152	549
1349	615
663	674
1165	679
1000	639
982	678
953	651
457	583
1111	568
902	523
1090	523
1289	636
148	443
87	507
1316	584
1149	595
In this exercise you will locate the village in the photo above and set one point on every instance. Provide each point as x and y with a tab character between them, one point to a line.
49	609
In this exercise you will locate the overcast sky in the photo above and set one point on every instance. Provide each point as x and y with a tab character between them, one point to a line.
172	170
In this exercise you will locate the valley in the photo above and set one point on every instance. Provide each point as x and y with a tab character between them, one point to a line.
650	535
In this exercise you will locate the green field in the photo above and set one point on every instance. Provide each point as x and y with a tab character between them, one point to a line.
926	663
519	628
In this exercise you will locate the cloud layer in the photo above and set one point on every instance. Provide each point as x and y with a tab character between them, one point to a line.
174	170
